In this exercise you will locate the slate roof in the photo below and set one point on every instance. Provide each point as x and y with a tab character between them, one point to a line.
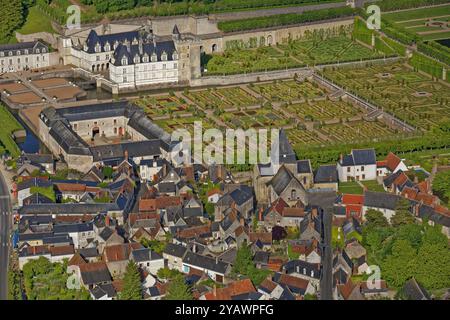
68	208
102	290
31	46
145	254
364	157
94	273
175	250
73	227
304	166
204	262
414	291
287	154
302	267
380	200
326	174
281	180
58	120
130	52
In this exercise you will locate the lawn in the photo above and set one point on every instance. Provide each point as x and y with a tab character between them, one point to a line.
373	185
337	243
9	125
36	22
351	187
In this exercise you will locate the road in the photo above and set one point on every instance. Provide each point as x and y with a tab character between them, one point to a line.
325	200
5	218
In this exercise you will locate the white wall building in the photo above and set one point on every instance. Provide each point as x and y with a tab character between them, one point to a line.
23	56
359	165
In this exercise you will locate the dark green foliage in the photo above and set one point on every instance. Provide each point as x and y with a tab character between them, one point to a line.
44	280
441	186
409	250
244	266
178	289
12	17
132	288
284	19
402	215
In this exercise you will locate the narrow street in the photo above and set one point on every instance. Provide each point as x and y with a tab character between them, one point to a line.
5	218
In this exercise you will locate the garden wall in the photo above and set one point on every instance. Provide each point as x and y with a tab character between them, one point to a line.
252	77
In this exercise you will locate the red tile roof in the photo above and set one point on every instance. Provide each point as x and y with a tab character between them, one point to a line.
293	212
120	252
142	216
264	237
392	161
234	289
62	250
159	203
292	281
353	199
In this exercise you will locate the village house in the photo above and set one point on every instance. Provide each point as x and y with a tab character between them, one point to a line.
359	165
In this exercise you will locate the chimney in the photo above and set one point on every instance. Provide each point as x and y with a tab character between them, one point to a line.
141	46
215	291
341	157
242	221
217	260
194	248
260	217
107	222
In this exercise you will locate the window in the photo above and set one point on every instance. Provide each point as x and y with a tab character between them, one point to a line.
107	47
38	51
37	58
43	50
97	58
164	66
18	60
75	126
124	70
107	57
124	61
293	194
348	169
2	54
10	53
26	60
18	52
26	51
175	65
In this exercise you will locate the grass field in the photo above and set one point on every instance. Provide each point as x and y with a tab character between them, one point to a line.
36	22
9	124
373	185
351	187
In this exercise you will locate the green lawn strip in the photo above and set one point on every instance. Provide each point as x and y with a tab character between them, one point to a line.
9	125
350	188
36	22
337	243
373	186
436	36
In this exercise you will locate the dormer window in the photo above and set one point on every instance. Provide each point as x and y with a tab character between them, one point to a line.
164	56
175	56
10	53
18	52
135	41
2	54
145	59
38	51
97	47
136	59
85	47
116	44
124	61
107	47
154	57
43	50
26	51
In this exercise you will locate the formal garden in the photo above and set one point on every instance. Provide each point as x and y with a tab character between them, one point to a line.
288	91
222	98
411	96
323	110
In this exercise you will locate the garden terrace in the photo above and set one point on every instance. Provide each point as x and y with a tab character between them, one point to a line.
157	106
222	98
311	50
323	110
288	91
429	23
251	60
356	131
398	89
